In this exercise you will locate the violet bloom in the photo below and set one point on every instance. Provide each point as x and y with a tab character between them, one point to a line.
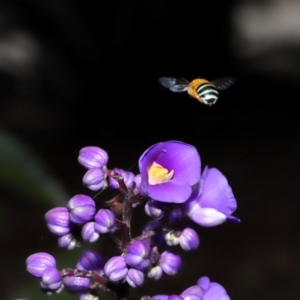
37	263
92	157
212	290
169	170
82	208
212	202
138	255
116	269
58	220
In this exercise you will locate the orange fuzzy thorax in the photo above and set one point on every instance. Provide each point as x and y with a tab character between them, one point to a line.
193	86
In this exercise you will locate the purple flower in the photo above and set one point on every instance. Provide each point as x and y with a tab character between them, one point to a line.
212	290
76	285
90	260
67	241
212	202
135	277
82	208
92	157
105	221
37	263
51	279
94	179
116	269
128	178
58	220
89	233
138	255
170	263
169	170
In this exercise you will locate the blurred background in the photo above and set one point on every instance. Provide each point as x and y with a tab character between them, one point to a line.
74	74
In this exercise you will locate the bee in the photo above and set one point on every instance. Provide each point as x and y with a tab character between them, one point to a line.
201	89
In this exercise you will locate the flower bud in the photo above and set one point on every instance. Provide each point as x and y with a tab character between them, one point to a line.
94	179
50	292
170	263
92	157
37	263
155	273
155	209
82	209
135	277
52	279
172	238
116	269
58	221
90	260
138	255
76	285
105	221
67	241
128	178
138	180
175	215
189	239
88	232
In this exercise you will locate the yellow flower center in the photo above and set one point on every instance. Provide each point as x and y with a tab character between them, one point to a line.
158	174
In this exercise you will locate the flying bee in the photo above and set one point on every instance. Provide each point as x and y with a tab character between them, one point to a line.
201	89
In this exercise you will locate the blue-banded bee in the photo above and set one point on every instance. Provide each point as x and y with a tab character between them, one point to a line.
201	89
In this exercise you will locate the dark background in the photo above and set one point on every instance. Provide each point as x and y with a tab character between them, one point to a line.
74	74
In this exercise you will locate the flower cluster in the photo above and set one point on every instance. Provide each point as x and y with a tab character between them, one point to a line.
175	195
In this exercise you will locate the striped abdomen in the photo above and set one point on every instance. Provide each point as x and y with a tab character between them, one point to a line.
208	93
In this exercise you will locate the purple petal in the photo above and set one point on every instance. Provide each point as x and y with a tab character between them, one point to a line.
207	217
216	193
169	192
148	157
194	292
184	160
204	282
216	292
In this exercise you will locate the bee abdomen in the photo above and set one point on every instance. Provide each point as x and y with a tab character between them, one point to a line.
208	93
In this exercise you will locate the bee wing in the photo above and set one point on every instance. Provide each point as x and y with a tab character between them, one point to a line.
174	84
224	83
